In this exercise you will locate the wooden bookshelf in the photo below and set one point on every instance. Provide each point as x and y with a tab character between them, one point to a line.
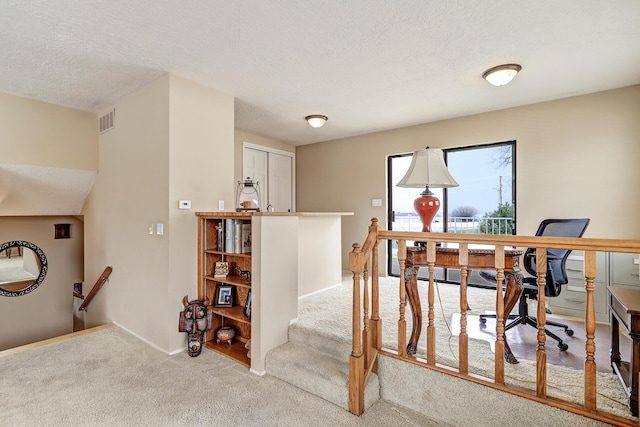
211	249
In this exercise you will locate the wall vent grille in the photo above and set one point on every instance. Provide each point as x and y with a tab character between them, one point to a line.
106	122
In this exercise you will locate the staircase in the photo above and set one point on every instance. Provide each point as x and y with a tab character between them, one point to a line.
319	364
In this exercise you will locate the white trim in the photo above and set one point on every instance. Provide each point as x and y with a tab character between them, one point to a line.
178	351
246	144
290	154
294	320
320	290
146	340
258	373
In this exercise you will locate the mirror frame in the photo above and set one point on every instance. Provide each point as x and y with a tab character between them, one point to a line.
43	267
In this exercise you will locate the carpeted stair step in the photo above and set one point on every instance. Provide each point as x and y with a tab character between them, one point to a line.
332	345
318	373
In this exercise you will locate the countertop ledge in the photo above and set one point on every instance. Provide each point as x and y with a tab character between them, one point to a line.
245	214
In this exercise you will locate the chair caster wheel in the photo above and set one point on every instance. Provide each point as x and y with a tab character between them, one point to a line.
569	332
563	347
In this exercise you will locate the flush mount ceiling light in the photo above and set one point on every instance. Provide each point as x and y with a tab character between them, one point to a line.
502	74
316	120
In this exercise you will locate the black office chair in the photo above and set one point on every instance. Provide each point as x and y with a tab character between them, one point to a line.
556	275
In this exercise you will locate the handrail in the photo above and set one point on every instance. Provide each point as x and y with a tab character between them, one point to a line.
101	281
367	334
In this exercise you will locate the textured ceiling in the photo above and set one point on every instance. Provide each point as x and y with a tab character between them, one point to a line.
368	65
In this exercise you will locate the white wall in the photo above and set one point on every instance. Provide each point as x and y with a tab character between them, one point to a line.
274	266
319	253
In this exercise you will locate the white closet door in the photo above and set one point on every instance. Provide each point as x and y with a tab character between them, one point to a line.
255	166
280	189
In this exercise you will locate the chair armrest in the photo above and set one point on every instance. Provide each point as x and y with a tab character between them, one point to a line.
549	257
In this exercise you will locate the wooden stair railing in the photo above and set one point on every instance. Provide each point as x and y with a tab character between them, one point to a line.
101	281
367	329
366	340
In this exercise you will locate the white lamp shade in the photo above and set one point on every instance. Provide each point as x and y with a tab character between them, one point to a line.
427	169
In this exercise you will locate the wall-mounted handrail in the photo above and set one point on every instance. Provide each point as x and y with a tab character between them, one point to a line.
101	281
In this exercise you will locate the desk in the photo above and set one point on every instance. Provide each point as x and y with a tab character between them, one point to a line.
479	259
625	309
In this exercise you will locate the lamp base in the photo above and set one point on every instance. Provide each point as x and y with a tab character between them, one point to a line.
426	206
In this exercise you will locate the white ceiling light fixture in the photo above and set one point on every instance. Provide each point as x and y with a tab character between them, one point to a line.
502	74
316	120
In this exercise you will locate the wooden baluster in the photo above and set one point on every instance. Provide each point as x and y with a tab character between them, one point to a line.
463	339
402	322
541	355
376	322
499	356
366	337
356	360
431	328
590	329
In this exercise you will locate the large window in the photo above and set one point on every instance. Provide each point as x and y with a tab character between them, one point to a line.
484	202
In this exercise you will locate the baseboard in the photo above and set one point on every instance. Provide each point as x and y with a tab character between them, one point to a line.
146	341
258	373
319	290
53	340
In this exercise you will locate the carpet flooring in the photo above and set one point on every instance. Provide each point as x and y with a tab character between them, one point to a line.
562	382
111	378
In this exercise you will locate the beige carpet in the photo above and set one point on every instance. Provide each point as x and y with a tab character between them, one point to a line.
564	383
110	378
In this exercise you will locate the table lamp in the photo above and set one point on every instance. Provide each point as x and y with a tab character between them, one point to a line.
427	169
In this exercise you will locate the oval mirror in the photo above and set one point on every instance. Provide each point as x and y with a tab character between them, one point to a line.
23	266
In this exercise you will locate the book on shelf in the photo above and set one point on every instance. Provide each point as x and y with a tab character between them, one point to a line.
237	236
246	238
229	235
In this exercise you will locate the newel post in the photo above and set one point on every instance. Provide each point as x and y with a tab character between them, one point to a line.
356	360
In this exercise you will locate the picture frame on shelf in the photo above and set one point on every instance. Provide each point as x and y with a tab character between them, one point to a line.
247	305
224	296
221	270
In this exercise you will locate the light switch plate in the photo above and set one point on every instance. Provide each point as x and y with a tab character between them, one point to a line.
159	229
376	202
184	204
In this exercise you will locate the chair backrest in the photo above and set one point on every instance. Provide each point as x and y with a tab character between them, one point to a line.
556	258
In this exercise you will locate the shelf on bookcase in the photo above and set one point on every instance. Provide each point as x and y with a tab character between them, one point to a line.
235	313
210	251
234	280
234	351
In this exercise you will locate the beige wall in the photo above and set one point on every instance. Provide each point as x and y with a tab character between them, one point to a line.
575	157
173	140
40	134
200	170
47	311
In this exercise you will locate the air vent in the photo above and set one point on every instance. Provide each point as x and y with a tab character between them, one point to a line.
106	122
